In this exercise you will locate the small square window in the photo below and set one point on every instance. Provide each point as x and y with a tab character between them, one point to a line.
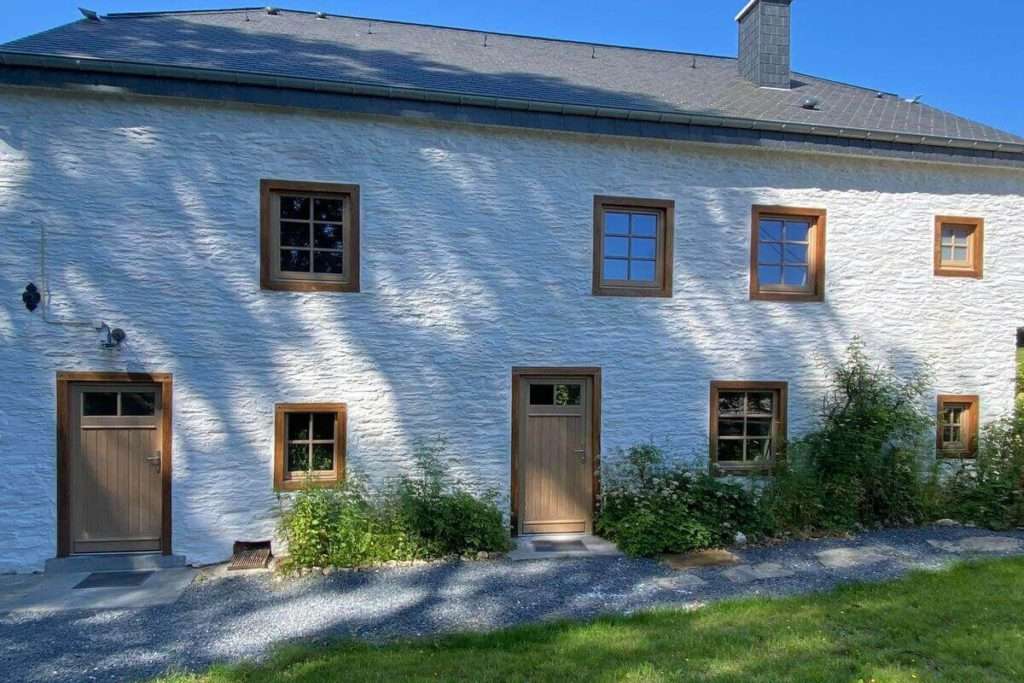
957	426
633	246
309	445
309	236
748	425
787	257
959	246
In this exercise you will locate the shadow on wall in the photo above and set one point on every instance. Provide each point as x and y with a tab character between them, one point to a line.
153	211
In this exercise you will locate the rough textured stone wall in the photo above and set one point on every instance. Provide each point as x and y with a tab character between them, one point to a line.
476	257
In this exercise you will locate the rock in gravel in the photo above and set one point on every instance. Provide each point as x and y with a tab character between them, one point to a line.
844	558
745	573
947	522
713	557
740	538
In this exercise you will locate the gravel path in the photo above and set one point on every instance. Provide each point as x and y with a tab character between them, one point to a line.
231	618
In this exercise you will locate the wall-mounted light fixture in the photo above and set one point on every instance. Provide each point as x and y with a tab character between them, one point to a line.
31	297
111	338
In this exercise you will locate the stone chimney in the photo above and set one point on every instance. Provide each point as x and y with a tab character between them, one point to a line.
764	43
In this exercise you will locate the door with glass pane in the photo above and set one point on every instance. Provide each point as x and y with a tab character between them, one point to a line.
115	468
555	459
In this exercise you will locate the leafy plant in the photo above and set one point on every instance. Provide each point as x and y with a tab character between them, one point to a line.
867	462
425	515
990	491
649	508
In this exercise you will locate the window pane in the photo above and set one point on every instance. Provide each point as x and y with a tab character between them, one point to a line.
298	457
760	403
298	426
731	426
567	394
323	456
328	209
795	276
947	253
95	403
615	269
328	262
645	224
956	233
730	403
769	275
643	248
771	230
323	425
796	253
327	236
960	253
295	207
616	246
759	450
769	253
759	426
730	450
542	394
138	403
295	260
641	271
294	234
616	223
796	231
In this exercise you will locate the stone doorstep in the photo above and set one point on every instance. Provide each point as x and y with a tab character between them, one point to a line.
57	592
594	546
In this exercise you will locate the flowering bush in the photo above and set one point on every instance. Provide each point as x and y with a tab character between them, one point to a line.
648	507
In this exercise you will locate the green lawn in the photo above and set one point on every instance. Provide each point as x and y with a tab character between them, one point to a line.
965	624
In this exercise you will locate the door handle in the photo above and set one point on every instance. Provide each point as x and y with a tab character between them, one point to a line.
581	453
154	459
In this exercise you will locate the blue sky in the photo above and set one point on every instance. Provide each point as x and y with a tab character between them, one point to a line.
967	58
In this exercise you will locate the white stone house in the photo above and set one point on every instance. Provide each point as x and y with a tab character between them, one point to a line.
326	238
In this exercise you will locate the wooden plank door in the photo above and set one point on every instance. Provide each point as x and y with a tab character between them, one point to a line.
115	467
556	462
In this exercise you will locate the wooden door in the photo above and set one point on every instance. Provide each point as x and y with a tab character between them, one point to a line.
115	467
556	458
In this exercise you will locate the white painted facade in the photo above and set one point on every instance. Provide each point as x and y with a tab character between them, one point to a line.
476	257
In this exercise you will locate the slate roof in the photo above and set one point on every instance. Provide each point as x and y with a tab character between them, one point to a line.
350	50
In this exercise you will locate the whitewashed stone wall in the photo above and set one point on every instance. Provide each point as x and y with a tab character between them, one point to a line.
476	256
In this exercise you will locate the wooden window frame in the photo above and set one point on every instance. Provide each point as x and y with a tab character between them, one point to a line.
975	267
816	254
269	238
780	424
282	480
65	380
664	257
972	413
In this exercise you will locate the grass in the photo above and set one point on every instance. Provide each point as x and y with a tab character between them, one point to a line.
961	624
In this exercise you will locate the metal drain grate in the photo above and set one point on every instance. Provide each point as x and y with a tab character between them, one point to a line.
558	546
250	555
113	580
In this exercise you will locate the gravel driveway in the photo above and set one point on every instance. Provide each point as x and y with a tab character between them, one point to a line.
236	617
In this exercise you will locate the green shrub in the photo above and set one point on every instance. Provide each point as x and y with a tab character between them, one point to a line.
990	491
867	463
648	508
426	515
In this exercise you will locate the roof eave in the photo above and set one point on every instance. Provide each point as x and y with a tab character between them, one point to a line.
12	58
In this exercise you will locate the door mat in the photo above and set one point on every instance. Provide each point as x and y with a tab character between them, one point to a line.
113	580
559	546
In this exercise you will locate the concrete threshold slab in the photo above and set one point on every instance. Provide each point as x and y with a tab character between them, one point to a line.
57	592
561	546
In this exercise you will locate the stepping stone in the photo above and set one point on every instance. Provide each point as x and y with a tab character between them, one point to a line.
679	582
846	558
701	558
980	544
745	573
